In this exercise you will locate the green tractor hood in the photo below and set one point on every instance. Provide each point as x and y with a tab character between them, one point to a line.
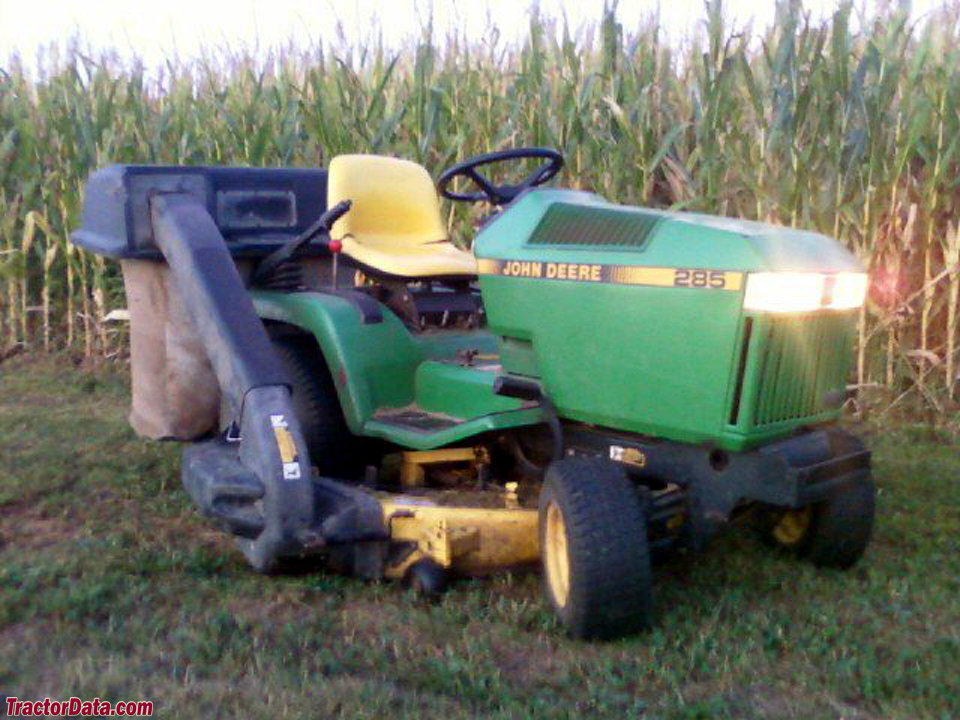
633	319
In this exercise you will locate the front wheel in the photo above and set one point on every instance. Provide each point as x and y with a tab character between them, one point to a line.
833	533
593	548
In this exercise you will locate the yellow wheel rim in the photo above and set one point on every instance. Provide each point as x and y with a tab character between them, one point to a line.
793	526
556	560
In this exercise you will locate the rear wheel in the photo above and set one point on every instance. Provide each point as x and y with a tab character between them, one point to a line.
594	550
334	450
832	533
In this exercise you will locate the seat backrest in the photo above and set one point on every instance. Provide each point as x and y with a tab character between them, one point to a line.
394	201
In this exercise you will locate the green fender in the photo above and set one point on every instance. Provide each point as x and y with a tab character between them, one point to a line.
382	365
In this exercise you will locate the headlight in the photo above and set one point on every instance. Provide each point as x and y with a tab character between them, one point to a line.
803	292
849	290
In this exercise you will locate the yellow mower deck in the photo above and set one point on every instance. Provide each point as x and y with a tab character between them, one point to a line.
464	531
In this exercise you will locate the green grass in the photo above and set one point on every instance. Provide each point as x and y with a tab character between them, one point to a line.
112	586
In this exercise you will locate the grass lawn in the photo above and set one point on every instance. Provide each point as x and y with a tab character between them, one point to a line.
112	586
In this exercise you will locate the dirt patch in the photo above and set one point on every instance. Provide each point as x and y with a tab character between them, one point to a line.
279	610
367	623
16	634
34	402
186	529
527	663
28	528
11	352
28	501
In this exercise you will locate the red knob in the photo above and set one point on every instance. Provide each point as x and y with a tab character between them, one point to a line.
335	246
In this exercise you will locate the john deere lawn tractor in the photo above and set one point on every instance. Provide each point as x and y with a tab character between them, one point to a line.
592	386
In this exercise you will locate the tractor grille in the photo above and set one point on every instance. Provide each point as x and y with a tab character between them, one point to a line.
794	362
572	224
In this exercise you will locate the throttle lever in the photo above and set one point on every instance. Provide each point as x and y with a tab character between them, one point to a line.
322	226
325	222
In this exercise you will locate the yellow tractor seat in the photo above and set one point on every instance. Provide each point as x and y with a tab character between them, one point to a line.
394	225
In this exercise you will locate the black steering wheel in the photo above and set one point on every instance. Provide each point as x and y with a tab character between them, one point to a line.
499	194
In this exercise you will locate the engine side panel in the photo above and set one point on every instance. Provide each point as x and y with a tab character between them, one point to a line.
633	358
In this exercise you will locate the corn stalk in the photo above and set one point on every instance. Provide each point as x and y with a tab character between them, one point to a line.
951	257
849	132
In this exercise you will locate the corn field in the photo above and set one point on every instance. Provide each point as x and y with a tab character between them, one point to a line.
849	128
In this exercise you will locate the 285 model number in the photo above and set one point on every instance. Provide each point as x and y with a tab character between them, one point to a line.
686	277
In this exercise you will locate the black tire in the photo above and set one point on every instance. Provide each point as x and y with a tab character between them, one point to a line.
334	450
604	533
837	529
427	579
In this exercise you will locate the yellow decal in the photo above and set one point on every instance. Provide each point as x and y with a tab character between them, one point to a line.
628	455
695	278
288	448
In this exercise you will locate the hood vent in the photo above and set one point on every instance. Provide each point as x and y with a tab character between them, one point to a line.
576	224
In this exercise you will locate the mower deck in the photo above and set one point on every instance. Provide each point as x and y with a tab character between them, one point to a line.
470	537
